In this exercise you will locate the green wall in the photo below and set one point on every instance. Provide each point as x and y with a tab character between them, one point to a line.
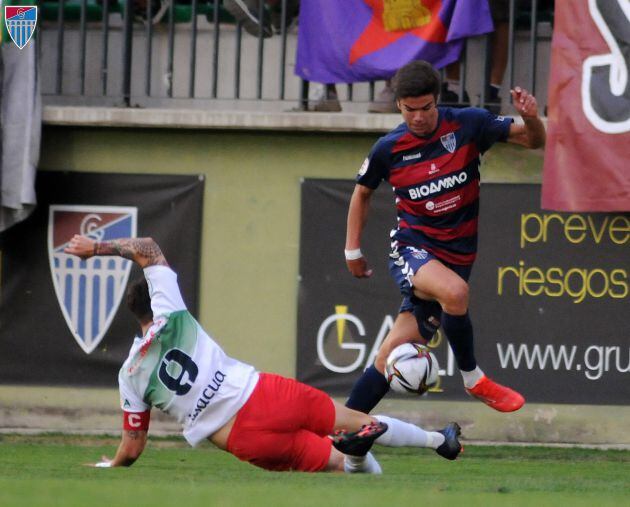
251	213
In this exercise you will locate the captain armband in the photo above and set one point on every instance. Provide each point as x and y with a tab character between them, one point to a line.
136	421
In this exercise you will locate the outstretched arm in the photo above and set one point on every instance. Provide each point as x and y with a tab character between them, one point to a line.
357	217
143	251
532	133
131	446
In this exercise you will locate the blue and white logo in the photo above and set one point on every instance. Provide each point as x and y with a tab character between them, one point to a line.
20	22
449	142
89	291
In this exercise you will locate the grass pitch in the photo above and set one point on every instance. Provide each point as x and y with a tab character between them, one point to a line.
47	471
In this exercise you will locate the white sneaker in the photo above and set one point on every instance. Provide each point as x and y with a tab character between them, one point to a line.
247	11
385	102
323	100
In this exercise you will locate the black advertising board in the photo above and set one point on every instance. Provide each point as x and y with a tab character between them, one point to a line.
549	296
64	321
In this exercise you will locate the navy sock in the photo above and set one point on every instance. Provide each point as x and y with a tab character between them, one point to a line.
368	390
459	331
428	315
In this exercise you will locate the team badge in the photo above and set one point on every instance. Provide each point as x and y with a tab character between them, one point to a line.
364	167
418	253
89	291
449	142
20	22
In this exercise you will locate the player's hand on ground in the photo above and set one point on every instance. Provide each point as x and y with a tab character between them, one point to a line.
80	246
359	268
104	463
524	102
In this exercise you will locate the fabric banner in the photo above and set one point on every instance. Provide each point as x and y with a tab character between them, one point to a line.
347	41
548	300
21	124
63	321
588	141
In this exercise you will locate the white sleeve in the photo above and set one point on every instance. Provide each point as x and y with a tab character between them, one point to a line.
129	399
163	290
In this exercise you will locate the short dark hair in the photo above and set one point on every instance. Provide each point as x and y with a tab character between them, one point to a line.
139	301
415	79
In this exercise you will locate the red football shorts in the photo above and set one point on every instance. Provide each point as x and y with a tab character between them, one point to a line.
284	426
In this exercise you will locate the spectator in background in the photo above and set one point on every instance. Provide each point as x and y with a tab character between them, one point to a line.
248	11
449	93
398	17
500	10
384	102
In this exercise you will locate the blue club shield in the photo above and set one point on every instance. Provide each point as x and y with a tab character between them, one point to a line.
20	22
89	291
449	142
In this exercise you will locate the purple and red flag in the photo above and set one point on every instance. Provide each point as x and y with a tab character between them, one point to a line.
587	155
347	41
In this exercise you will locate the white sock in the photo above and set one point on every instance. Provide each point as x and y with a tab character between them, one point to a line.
361	464
404	434
471	377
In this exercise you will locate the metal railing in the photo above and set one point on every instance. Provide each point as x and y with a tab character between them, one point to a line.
108	52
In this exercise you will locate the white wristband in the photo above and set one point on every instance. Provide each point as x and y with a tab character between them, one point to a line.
353	255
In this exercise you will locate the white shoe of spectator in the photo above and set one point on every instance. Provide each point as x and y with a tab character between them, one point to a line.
247	11
323	100
385	102
292	13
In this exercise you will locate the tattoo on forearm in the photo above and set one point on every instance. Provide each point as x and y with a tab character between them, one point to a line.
133	435
142	250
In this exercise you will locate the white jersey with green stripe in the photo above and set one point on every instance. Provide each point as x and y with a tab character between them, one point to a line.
179	369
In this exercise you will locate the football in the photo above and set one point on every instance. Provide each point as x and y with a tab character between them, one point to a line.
411	368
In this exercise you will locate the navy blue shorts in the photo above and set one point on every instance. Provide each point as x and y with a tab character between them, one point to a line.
405	261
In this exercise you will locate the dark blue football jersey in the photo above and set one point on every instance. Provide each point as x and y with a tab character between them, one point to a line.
436	180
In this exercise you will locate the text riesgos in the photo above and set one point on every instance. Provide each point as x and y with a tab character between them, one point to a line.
576	282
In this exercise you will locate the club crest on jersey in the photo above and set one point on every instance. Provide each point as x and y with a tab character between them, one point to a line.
418	253
364	167
20	22
449	142
89	291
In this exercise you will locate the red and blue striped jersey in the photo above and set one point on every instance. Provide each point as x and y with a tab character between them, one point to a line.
435	180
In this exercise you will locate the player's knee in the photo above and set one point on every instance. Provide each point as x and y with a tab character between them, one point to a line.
456	298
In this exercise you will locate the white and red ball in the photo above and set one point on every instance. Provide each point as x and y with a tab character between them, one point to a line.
412	369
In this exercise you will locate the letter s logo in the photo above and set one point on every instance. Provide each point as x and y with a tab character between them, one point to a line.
605	83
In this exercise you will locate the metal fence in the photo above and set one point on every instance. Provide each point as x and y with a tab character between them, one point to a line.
194	53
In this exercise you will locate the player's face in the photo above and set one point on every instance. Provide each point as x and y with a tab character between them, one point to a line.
420	114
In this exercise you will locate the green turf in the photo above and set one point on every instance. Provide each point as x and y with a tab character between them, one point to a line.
47	471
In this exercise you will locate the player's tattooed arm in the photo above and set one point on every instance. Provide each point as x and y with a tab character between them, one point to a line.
144	251
131	447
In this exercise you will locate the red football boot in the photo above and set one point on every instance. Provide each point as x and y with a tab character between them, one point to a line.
496	396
